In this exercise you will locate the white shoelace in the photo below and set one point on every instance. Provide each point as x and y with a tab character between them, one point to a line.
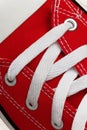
48	69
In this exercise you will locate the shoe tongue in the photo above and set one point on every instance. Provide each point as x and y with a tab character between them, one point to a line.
62	10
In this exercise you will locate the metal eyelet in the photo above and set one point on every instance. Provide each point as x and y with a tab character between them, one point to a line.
31	106
9	82
56	126
73	22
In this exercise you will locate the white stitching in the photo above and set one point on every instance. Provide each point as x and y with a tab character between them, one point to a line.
66	109
24	112
44	87
39	125
48	95
78	13
43	90
48	92
69	4
82	68
67	14
66	11
79	65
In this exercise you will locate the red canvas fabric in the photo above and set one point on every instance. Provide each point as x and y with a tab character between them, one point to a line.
13	99
62	10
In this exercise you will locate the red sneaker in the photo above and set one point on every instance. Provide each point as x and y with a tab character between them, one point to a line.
40	87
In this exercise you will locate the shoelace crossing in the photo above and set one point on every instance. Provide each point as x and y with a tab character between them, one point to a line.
49	69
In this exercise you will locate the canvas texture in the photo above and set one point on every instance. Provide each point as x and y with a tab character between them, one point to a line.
13	99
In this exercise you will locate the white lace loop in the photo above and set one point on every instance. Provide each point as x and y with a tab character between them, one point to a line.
67	62
81	115
41	73
47	63
60	96
36	48
65	89
48	69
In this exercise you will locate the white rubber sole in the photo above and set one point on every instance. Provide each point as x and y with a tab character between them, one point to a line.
4	124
